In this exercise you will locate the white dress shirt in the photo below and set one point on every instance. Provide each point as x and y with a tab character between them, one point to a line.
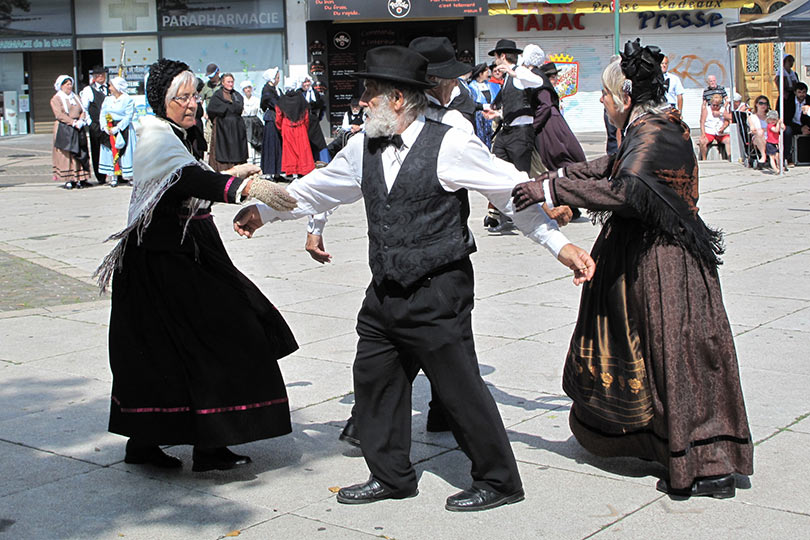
463	162
450	117
251	106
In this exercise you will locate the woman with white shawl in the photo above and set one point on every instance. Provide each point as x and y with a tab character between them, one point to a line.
193	343
70	157
121	108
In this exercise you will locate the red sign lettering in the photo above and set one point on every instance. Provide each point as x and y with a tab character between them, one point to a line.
548	22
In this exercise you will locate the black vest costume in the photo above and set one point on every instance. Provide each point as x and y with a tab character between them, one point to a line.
94	108
515	102
355	119
418	227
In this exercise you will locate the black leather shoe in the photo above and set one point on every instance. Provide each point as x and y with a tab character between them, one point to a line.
436	421
68	185
84	184
369	492
349	433
150	455
217	459
719	487
475	499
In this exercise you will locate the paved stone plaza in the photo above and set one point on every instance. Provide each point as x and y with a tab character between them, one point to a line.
62	474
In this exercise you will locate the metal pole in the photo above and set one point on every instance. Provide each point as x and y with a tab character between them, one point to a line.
782	155
616	27
731	100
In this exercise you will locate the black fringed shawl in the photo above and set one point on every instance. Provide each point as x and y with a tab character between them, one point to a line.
656	152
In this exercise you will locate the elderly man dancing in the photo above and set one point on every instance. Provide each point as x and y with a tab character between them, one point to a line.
414	175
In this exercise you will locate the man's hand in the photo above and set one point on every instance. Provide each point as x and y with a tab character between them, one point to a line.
561	214
491	114
805	130
526	194
578	260
315	248
243	170
356	128
247	220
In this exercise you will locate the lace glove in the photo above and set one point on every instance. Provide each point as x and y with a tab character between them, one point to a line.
271	194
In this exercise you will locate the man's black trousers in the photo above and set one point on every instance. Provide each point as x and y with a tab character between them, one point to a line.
95	150
426	326
515	145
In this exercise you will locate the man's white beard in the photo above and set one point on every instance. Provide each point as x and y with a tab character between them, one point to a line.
382	122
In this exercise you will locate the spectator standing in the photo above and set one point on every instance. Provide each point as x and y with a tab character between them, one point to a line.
316	112
121	108
673	86
228	139
791	78
712	88
797	117
92	97
774	131
292	120
70	160
253	123
211	86
271	143
482	94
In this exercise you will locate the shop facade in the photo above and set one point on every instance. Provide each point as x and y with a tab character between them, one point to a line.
694	41
338	37
52	37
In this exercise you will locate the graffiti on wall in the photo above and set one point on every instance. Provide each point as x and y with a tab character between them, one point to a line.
694	68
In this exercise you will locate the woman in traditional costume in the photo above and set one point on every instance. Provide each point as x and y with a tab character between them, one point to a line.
229	145
292	120
271	143
121	108
652	369
254	129
193	343
70	157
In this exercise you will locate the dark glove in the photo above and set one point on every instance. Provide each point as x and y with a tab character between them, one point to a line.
526	194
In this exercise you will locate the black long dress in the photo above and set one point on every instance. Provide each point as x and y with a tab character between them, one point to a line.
229	137
193	343
554	141
271	144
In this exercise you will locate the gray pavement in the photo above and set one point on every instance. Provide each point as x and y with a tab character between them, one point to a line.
62	475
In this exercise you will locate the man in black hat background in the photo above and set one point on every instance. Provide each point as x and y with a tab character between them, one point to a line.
413	175
211	85
515	139
92	96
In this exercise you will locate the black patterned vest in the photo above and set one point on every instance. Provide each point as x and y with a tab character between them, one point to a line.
516	102
94	108
418	227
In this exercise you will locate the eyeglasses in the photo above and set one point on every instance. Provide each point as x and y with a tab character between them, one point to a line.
183	100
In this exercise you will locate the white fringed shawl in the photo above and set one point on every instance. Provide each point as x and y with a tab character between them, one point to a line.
159	159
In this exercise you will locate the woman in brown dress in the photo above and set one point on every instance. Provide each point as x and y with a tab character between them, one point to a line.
652	369
69	145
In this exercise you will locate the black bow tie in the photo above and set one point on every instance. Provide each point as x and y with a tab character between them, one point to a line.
380	143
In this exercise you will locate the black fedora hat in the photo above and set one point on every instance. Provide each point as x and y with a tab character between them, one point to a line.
98	69
549	68
505	46
441	57
396	64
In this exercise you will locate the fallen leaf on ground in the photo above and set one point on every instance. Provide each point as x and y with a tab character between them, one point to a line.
233	533
334	489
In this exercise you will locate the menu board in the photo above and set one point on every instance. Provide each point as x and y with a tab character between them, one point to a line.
329	10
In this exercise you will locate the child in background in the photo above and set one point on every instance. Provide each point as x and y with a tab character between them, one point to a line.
775	129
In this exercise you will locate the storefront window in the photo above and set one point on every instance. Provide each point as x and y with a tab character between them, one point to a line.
13	116
244	55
